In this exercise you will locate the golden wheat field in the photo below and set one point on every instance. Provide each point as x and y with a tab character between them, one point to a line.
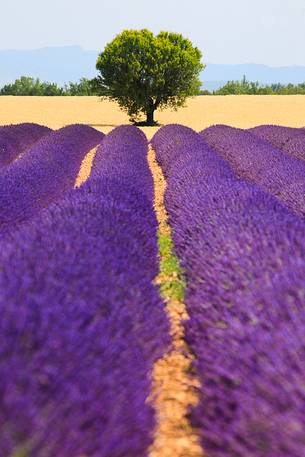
200	112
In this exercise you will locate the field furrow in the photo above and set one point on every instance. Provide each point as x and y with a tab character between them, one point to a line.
174	384
85	168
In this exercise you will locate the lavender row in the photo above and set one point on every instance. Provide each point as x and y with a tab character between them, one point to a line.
15	139
244	259
81	322
43	173
126	163
252	158
288	139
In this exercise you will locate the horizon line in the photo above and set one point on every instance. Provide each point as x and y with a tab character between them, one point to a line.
78	46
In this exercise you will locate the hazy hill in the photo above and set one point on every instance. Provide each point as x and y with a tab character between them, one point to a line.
56	64
215	75
70	63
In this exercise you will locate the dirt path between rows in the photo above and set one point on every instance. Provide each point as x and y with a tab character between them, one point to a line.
174	388
85	168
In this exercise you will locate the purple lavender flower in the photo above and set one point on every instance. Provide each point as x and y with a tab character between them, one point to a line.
15	139
288	139
252	158
81	321
43	173
243	254
127	162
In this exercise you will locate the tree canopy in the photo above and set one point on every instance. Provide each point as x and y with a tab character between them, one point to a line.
143	72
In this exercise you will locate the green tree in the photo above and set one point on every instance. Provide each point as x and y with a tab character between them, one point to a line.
254	88
26	85
143	72
83	87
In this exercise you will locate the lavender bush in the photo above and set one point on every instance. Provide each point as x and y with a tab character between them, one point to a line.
252	158
43	173
127	163
288	139
82	323
15	139
296	147
244	258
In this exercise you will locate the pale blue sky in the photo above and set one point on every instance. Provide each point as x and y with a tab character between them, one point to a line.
227	31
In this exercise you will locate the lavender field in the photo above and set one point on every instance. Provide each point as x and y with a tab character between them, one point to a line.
173	275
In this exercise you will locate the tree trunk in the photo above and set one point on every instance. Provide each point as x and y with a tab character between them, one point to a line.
150	116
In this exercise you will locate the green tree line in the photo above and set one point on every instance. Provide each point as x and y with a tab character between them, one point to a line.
34	86
245	87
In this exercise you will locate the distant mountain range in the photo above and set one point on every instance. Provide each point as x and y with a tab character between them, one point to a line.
55	64
216	75
70	63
